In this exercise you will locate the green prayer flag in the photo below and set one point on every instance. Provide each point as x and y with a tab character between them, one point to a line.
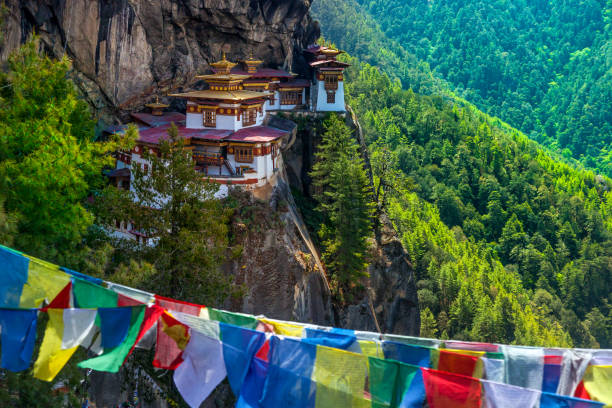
389	380
382	385
236	319
88	295
112	359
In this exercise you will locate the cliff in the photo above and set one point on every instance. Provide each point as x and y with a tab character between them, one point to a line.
126	51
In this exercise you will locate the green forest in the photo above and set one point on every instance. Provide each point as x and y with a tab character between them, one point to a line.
543	67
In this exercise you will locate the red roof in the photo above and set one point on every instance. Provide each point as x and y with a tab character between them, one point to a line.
296	83
323	62
264	73
165	119
256	134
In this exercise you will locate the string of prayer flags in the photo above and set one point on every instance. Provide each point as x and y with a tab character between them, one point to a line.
65	331
18	335
112	359
13	275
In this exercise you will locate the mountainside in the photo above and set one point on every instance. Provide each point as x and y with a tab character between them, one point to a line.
543	67
125	52
491	221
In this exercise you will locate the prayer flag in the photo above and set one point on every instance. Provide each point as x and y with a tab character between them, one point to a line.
329	339
114	325
289	383
460	364
167	353
253	385
202	369
236	319
406	353
66	330
88	295
13	275
524	366
548	400
239	347
284	328
45	282
505	395
598	383
113	358
18	329
450	390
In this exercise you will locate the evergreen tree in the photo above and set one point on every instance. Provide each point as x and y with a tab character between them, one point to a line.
343	191
49	163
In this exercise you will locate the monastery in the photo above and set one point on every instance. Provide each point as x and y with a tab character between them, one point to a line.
226	126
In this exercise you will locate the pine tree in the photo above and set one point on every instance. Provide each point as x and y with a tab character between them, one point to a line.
343	191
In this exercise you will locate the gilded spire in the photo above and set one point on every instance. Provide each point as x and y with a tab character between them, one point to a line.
224	66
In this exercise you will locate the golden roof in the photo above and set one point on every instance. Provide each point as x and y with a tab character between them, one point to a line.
252	61
224	66
156	104
223	95
223	77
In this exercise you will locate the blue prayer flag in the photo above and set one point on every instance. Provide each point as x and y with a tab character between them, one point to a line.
329	339
18	338
114	325
406	353
290	369
239	347
549	400
13	275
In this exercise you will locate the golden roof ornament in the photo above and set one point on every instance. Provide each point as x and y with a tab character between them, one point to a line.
157	108
224	66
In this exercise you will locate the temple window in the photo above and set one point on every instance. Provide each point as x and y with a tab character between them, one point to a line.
210	118
331	97
249	117
291	98
244	154
331	82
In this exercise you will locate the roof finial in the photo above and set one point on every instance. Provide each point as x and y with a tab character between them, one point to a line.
223	59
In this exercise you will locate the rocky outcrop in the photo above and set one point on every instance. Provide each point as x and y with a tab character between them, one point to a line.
278	264
126	51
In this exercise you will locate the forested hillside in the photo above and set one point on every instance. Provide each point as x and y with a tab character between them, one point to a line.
509	245
543	67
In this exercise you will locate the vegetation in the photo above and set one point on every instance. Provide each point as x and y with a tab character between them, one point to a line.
49	162
497	230
540	66
342	191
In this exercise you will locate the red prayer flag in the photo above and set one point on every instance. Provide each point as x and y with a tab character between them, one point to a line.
123	300
62	300
457	363
152	314
450	390
167	353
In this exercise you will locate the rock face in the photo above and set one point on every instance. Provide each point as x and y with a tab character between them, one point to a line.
126	51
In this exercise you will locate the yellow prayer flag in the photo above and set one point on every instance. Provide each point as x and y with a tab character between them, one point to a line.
45	281
598	383
370	348
285	329
340	376
51	357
